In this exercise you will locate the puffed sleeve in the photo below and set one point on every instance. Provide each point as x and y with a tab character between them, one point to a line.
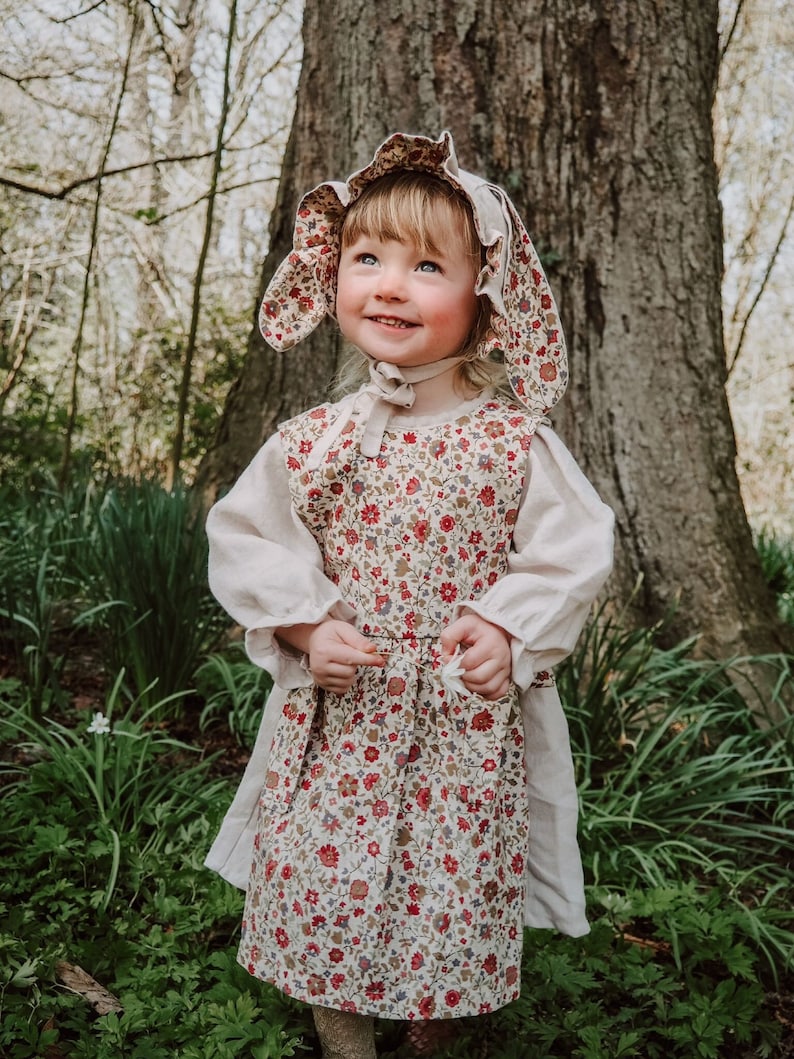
265	568
561	556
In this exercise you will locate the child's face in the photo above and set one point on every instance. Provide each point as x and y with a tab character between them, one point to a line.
400	305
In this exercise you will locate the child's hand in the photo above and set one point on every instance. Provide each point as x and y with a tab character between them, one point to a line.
336	650
487	662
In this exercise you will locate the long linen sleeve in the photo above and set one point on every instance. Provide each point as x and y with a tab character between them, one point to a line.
265	568
562	555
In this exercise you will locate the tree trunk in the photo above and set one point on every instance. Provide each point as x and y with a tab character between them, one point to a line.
596	117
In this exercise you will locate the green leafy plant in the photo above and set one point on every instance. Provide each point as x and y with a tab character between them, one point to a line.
777	562
146	567
107	783
676	780
234	691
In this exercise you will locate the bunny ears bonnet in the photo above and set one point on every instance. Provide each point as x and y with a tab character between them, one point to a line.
525	324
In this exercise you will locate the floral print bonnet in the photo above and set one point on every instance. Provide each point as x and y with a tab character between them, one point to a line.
525	325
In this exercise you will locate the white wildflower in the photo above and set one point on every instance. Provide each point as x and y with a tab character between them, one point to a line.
451	674
100	724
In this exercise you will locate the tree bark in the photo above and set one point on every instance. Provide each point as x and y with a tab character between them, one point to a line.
595	115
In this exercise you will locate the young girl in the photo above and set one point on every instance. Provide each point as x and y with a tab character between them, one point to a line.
409	564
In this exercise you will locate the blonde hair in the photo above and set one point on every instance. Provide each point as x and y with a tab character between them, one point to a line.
414	207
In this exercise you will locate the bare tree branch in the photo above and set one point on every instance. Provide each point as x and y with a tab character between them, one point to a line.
78	339
732	31
190	348
761	288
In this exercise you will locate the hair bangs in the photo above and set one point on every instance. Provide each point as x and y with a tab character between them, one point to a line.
411	207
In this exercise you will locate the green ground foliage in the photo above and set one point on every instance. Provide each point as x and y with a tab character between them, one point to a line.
686	827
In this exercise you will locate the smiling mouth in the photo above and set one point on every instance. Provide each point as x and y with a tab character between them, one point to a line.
392	321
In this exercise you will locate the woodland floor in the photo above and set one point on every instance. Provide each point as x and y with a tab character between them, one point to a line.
85	689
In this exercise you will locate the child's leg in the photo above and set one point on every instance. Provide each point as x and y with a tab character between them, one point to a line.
431	1036
345	1035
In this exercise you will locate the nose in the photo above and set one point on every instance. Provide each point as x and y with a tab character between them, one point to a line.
391	285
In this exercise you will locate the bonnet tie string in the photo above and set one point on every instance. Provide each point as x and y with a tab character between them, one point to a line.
389	387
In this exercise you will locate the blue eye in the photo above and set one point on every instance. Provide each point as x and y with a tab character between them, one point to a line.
367	259
428	266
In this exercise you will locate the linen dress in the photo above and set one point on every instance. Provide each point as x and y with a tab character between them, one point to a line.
391	841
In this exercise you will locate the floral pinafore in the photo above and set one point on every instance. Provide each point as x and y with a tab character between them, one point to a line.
387	875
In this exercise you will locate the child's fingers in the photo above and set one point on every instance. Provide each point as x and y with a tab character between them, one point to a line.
357	649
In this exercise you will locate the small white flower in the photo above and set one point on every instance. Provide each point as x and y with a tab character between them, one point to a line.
100	724
451	674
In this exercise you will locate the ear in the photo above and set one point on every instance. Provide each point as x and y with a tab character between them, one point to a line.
296	299
534	345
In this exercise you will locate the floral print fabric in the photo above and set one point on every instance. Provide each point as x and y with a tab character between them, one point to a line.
387	875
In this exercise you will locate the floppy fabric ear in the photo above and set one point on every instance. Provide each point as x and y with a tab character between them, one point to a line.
525	324
300	293
535	354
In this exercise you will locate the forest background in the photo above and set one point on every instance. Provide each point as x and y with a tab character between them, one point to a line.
143	148
140	158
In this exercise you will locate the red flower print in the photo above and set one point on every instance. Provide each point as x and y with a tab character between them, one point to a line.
417	961
511	974
329	856
396	686
437	449
370	780
489	764
359	889
373	849
423	798
336	980
524	305
548	372
292	463
427	1006
487	495
337	488
420	530
489	964
380	809
372	753
316	985
452	998
412	486
336	956
451	864
348	786
282	940
545	301
517	863
447	523
482	721
351	537
370	514
375	991
412	909
286	871
449	592
409	438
